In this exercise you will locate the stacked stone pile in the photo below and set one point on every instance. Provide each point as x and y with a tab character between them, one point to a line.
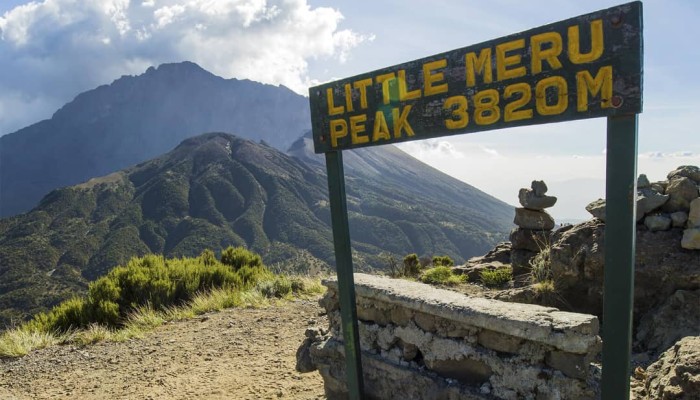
669	204
534	225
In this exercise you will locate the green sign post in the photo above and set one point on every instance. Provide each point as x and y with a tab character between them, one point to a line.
585	67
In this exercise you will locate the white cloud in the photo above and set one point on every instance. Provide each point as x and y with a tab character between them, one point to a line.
54	49
430	149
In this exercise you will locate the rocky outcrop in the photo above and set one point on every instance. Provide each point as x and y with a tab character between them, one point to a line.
676	374
664	325
665	205
498	257
419	342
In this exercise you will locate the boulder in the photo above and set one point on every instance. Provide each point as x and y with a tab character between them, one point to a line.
643	182
648	200
529	200
531	219
685	171
676	374
691	239
528	239
678	219
657	222
597	209
539	187
682	191
659	187
500	253
694	214
664	325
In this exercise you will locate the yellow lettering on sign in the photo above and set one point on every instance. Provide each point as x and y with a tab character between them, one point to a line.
362	86
404	94
602	84
430	79
550	54
478	65
381	130
332	108
357	126
460	118
401	121
339	129
513	110
486	111
558	83
596	43
348	98
503	61
384	80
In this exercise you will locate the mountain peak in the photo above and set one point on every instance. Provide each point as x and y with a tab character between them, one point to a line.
183	68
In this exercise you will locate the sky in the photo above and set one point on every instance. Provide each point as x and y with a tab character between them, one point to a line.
52	50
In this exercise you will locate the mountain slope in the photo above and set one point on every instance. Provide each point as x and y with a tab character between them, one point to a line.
137	118
216	190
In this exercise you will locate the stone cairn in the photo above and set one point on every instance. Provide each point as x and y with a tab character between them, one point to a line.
669	204
534	226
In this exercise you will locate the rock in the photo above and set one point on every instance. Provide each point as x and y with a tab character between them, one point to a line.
676	374
691	239
694	214
473	271
678	219
685	171
657	222
530	219
539	187
304	361
500	253
529	200
528	239
648	201
676	318
597	209
520	261
661	266
643	182
659	187
682	191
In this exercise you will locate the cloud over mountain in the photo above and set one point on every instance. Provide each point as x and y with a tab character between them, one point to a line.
94	40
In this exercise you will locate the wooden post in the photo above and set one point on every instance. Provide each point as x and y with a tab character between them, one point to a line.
620	235
346	281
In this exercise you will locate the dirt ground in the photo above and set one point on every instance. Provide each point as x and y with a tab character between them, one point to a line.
233	354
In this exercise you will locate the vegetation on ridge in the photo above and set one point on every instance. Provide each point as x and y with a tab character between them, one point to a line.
149	290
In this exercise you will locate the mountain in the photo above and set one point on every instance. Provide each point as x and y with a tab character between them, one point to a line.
217	190
137	118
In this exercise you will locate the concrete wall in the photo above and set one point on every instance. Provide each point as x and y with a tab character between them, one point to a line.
420	342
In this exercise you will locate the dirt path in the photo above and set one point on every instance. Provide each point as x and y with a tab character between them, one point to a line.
233	354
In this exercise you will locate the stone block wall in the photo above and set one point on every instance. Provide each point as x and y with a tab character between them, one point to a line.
420	342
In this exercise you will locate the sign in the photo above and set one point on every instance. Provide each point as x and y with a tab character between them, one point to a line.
584	67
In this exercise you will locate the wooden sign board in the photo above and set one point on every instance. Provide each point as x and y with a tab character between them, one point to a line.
584	67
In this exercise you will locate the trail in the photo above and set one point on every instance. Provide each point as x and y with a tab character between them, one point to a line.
232	354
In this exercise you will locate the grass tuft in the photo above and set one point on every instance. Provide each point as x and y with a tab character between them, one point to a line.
19	342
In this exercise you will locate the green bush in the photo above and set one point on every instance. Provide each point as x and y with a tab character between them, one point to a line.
444	261
238	257
411	265
158	283
442	275
496	277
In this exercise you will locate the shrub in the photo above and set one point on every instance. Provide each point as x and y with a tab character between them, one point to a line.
496	277
442	275
540	266
155	282
411	265
444	261
238	257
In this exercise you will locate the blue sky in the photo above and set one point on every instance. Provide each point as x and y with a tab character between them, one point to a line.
54	49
